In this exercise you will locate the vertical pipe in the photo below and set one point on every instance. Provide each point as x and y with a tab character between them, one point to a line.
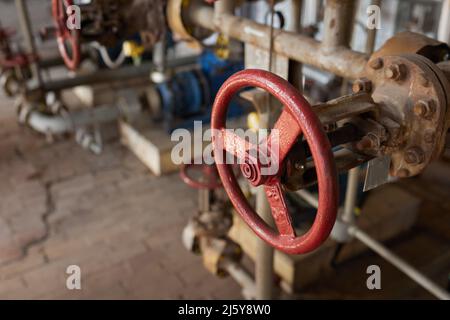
159	55
295	68
353	175
338	23
264	254
372	33
265	258
27	32
351	195
223	8
444	24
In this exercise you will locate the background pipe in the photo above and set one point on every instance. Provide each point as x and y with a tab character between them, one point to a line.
27	32
64	123
242	277
444	24
295	25
338	24
112	75
342	61
387	254
399	263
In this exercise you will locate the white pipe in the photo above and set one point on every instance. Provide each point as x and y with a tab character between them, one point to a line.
310	198
385	253
444	25
402	265
351	195
242	277
106	58
59	124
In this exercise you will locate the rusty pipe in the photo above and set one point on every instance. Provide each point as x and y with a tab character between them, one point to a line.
338	24
341	61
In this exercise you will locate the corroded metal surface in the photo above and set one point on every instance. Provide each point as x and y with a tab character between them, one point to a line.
297	118
413	43
340	61
411	94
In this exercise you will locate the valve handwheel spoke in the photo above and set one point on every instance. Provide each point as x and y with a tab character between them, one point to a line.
68	40
297	119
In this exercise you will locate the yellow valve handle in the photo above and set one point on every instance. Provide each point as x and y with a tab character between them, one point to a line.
223	47
253	121
132	49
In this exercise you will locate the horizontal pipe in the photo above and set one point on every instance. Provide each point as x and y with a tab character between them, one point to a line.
112	75
399	263
340	61
385	253
64	123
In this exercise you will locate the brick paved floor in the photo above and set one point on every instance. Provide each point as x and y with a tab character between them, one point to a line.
62	206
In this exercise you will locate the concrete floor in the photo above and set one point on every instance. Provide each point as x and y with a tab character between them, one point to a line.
107	214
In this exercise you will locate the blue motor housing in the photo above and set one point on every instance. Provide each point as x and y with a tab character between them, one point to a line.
189	95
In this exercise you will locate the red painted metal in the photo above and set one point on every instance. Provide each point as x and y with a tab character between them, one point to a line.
17	60
64	36
297	119
9	60
210	179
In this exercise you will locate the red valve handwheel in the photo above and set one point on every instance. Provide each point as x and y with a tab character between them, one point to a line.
210	180
65	37
296	119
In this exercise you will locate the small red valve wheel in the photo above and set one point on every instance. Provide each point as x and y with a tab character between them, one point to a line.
18	60
296	119
68	40
209	178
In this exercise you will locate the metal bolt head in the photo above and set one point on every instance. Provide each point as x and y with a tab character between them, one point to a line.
394	71
414	156
376	63
429	136
368	142
362	85
424	109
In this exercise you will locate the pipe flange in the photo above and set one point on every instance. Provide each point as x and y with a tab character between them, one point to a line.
410	91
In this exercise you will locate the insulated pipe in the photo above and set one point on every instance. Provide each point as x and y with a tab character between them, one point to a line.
341	61
27	32
59	124
402	265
